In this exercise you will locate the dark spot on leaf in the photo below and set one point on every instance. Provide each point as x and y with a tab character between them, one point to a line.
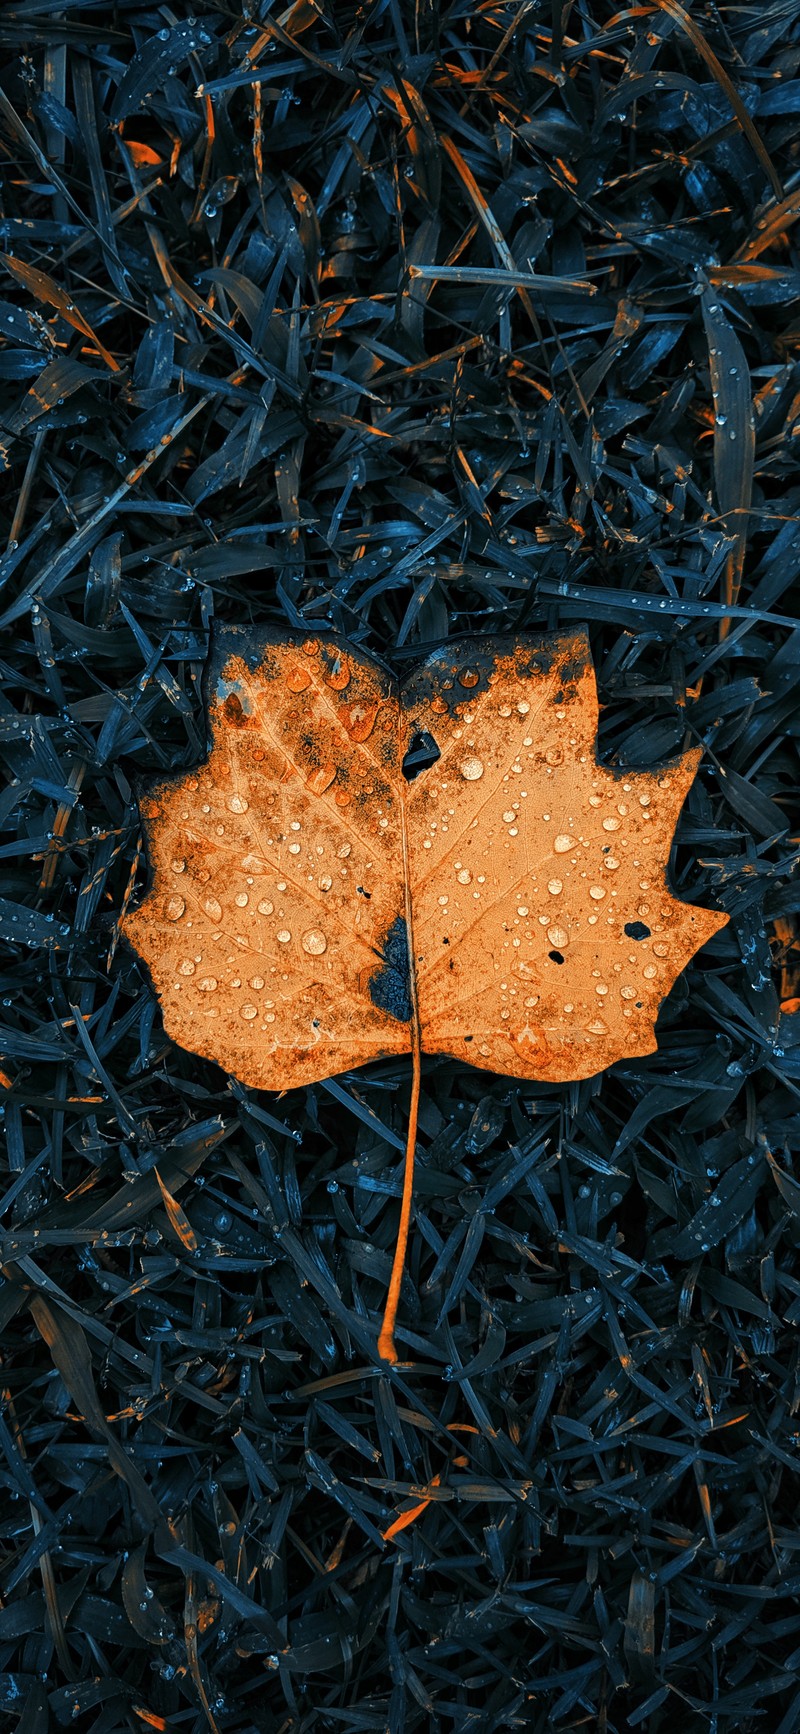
557	956
637	930
390	985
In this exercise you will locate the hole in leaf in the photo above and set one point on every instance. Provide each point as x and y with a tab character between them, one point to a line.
389	986
557	956
422	753
637	930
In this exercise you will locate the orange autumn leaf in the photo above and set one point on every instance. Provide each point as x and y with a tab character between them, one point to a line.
315	905
289	869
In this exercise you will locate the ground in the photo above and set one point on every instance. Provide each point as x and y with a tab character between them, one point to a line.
409	322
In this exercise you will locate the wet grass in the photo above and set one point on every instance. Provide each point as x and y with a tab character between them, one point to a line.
409	321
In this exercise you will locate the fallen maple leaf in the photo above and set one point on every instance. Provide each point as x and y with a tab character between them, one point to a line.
299	869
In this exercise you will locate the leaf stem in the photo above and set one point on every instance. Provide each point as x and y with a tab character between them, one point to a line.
386	1344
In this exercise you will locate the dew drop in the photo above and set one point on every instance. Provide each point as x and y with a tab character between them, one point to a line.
257	982
522	909
321	779
284	936
178	866
298	679
325	882
265	907
464	877
523	707
558	936
175	908
359	720
509	817
597	892
554	886
213	908
186	968
661	950
611	824
562	843
241	900
505	710
468	677
601	989
208	984
344	851
338	676
649	971
472	770
238	804
314	942
249	1012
